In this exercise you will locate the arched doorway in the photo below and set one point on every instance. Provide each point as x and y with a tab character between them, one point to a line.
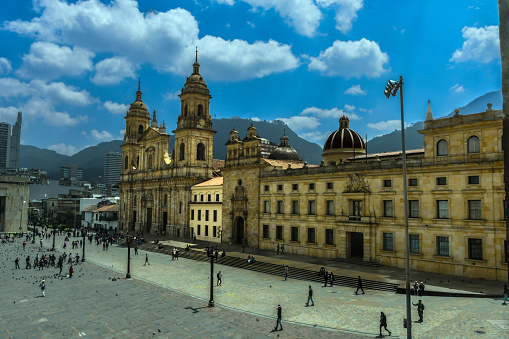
240	230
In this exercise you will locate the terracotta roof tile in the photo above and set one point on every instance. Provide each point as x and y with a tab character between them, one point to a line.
108	208
212	182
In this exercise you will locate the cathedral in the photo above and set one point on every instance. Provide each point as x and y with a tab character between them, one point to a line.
349	207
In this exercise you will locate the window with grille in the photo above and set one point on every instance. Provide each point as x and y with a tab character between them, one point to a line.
414	243
295	187
473	180
280	208
266	188
279	232
295	233
412	182
265	231
441	181
330	207
442	209
312	207
443	246
266	206
388	242
475	249
311	186
295	207
329	236
387	183
329	185
474	209
311	235
413	208
388	208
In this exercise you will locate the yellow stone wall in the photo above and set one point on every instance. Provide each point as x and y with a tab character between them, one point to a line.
15	192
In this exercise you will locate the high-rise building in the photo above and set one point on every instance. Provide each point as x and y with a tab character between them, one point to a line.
71	172
9	144
112	168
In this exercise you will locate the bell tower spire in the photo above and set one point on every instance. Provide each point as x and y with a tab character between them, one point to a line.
138	93
196	65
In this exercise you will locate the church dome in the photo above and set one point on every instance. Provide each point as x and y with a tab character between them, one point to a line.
284	151
344	137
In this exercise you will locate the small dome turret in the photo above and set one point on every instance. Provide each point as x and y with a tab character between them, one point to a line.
284	151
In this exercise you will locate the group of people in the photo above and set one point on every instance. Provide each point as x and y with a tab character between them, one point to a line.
418	289
282	247
250	258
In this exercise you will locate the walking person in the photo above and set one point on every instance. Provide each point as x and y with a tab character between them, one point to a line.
71	271
219	277
282	249
16	262
420	310
43	288
310	297
146	260
136	250
331	279
506	295
277	249
286	272
383	323
325	276
279	317
421	289
359	285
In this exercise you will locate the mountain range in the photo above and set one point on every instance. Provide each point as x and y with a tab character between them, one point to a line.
91	159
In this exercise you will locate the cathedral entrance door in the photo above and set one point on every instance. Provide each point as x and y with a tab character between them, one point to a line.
240	230
149	220
356	244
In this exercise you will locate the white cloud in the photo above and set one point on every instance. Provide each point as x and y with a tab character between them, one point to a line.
303	15
300	122
225	2
355	90
351	59
366	110
349	107
5	66
346	12
255	119
240	60
64	149
316	136
334	113
172	96
55	91
250	24
457	88
9	114
41	108
101	136
112	71
481	45
389	125
46	60
115	108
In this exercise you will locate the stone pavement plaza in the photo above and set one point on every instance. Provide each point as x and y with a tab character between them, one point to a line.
172	296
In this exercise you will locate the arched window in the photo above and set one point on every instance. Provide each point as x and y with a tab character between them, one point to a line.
182	151
200	152
126	162
150	160
185	110
442	148
140	129
200	110
473	145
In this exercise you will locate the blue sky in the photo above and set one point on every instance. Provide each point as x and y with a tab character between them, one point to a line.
72	67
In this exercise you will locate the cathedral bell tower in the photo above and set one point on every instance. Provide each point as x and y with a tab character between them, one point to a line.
137	121
194	136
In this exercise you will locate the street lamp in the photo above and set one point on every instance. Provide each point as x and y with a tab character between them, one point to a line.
212	254
128	239
83	233
53	231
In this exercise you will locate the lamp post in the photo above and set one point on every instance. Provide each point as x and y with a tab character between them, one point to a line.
213	254
128	239
53	231
83	233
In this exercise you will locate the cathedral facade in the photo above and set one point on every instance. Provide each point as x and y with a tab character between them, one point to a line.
155	184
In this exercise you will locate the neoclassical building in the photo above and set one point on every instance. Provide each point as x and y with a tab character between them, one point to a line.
155	184
353	204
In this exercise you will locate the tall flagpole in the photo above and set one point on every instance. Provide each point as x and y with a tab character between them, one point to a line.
405	197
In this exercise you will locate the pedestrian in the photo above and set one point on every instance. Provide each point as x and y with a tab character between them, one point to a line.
43	288
282	249
136	250
506	295
279	317
420	310
277	249
383	323
421	289
416	287
331	279
71	271
40	242
325	276
219	277
146	260
359	285
106	246
24	244
310	297
286	272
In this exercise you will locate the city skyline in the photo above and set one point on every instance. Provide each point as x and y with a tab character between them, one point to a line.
72	68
